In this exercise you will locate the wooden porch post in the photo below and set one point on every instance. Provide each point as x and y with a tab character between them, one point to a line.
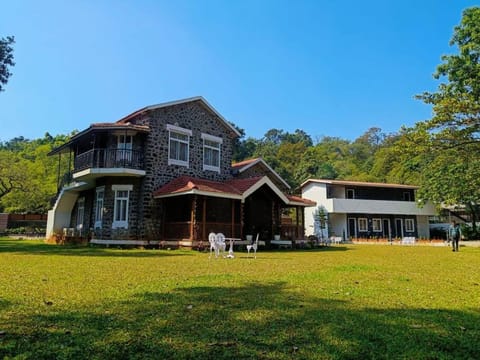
204	218
192	218
233	218
242	221
273	218
297	222
303	222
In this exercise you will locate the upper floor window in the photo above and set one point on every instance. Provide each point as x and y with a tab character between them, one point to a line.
120	206
100	194
211	152
406	196
178	144
350	194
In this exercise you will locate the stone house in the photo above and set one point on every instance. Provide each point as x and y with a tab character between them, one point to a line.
164	175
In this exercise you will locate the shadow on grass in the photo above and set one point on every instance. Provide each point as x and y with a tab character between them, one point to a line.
254	321
38	247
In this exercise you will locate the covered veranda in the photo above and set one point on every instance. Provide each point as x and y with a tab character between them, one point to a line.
192	208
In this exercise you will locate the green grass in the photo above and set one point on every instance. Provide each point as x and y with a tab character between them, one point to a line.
347	302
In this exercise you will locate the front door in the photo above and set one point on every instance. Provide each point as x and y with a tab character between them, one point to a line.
352	228
387	232
399	228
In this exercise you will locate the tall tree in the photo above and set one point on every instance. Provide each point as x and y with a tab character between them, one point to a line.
6	59
447	146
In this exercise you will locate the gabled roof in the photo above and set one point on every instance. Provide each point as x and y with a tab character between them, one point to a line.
233	189
178	102
188	185
358	183
247	164
124	123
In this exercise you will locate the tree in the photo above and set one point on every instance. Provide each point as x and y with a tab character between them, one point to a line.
6	59
446	148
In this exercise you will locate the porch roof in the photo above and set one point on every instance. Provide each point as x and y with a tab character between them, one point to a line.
246	164
233	189
99	127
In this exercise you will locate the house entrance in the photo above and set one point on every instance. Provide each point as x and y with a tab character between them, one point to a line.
352	228
399	228
387	231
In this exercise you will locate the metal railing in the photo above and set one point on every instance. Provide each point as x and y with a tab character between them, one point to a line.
109	158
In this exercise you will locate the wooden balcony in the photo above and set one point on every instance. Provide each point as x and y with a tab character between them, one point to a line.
98	162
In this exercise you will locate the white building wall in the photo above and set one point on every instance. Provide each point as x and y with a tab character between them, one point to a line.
338	224
315	192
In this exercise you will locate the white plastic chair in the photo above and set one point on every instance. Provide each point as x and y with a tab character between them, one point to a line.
212	238
220	244
253	247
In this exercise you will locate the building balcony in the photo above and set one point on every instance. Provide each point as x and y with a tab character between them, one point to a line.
352	206
108	162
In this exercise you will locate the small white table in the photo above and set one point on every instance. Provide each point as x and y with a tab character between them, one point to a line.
230	250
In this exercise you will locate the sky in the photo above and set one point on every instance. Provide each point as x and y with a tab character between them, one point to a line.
329	68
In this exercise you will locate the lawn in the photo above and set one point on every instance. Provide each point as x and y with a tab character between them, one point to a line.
343	302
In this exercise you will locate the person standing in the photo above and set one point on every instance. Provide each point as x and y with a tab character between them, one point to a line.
454	234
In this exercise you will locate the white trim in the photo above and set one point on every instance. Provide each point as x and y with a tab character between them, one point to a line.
187	100
80	213
97	172
218	141
99	221
122	187
265	180
213	138
116	224
179	129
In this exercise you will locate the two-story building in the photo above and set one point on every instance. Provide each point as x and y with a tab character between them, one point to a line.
164	175
367	210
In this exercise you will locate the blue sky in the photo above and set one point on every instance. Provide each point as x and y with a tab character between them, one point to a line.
330	68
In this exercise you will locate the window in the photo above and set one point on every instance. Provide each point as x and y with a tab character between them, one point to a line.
80	213
120	207
178	143
409	225
377	225
124	147
362	224
211	152
406	196
100	194
350	194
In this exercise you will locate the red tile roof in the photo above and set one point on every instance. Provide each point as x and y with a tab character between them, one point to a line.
301	200
243	163
185	184
232	188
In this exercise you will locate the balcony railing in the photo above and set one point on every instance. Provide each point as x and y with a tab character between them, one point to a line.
109	158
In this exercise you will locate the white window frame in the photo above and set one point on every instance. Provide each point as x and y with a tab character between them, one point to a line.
207	147
80	213
118	189
409	225
377	225
99	202
124	147
360	227
406	196
173	129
